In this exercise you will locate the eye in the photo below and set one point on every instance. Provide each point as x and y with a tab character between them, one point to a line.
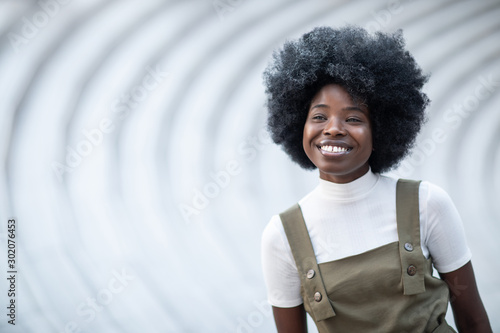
319	117
351	119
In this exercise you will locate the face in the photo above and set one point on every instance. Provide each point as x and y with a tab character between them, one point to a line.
337	135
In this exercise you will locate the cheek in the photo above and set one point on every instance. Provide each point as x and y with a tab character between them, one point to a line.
364	138
369	145
306	135
370	138
305	140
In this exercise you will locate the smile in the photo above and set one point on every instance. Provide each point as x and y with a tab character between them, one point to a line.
334	149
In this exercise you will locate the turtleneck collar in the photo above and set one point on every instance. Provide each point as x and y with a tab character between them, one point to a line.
355	189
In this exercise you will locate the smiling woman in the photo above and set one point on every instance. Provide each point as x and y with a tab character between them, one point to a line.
357	252
337	135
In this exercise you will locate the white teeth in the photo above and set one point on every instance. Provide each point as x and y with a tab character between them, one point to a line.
334	149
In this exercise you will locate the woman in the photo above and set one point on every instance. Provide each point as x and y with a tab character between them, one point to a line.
356	252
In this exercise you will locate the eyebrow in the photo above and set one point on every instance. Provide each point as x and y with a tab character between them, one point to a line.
347	108
317	106
354	108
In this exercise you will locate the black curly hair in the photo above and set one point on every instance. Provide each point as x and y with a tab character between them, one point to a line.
375	69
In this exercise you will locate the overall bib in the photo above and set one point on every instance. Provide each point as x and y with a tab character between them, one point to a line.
386	289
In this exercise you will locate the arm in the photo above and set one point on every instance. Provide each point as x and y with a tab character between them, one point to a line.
282	280
290	320
468	310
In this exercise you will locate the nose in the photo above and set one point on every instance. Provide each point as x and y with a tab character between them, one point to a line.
334	127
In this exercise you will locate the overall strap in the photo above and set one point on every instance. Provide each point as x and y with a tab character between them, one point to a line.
410	252
305	260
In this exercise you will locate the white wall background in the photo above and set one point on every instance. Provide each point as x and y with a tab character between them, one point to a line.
100	157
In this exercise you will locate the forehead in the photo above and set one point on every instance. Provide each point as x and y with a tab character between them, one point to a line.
334	95
332	92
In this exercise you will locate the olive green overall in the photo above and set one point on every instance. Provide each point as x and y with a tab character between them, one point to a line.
387	289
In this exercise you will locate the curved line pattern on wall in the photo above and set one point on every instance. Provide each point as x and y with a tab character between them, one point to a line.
138	167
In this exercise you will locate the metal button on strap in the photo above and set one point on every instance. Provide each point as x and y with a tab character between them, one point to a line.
310	273
408	247
317	296
412	270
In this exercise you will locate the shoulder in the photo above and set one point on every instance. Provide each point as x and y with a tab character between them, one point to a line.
274	241
434	201
434	198
431	196
273	230
273	237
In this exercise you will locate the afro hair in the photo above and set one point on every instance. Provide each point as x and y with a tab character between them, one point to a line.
375	69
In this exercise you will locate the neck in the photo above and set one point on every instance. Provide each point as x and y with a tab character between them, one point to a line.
346	191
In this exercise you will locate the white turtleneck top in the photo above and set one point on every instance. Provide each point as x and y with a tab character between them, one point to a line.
348	219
